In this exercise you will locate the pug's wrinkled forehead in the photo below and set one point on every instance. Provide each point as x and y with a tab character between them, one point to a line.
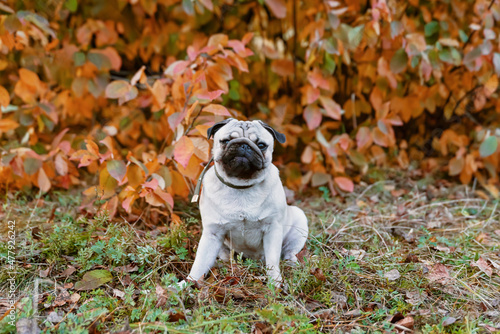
252	130
246	129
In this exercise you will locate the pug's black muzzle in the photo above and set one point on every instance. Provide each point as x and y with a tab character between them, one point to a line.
242	158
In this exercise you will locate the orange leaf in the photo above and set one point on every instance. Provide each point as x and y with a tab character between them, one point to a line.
29	78
456	165
282	67
333	110
183	151
217	109
215	79
7	124
43	181
364	137
218	39
4	97
61	165
308	155
380	138
108	142
201	148
344	183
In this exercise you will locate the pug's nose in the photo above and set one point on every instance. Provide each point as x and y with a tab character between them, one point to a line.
244	148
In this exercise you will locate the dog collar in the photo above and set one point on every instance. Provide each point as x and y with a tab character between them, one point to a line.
197	189
230	185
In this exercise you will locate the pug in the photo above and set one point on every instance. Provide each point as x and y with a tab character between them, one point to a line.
243	205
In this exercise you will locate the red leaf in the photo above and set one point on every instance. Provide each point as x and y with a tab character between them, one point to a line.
311	94
344	183
166	197
317	80
277	7
313	116
153	184
127	203
183	150
206	95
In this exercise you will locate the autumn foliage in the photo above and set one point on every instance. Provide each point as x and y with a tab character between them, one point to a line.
126	89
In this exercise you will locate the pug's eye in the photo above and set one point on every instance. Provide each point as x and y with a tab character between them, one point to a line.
224	141
262	146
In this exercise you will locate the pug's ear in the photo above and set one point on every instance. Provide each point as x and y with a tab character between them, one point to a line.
211	131
281	138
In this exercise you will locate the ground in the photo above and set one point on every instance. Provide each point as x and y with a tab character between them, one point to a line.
402	253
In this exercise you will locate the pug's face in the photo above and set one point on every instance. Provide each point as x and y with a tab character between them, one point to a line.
243	148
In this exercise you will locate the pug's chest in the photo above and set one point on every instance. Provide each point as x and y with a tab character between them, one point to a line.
246	236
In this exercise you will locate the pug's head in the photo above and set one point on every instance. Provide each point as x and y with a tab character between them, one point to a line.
243	149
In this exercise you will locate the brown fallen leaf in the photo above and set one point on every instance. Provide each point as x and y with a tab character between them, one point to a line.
44	273
261	328
318	273
302	254
161	296
174	317
62	298
68	272
126	269
483	266
411	258
439	273
407	322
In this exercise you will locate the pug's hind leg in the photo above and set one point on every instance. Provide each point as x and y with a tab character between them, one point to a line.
224	253
296	237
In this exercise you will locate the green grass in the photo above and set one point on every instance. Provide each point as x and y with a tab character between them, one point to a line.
341	286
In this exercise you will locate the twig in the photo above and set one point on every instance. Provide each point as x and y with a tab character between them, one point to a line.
403	328
371	186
